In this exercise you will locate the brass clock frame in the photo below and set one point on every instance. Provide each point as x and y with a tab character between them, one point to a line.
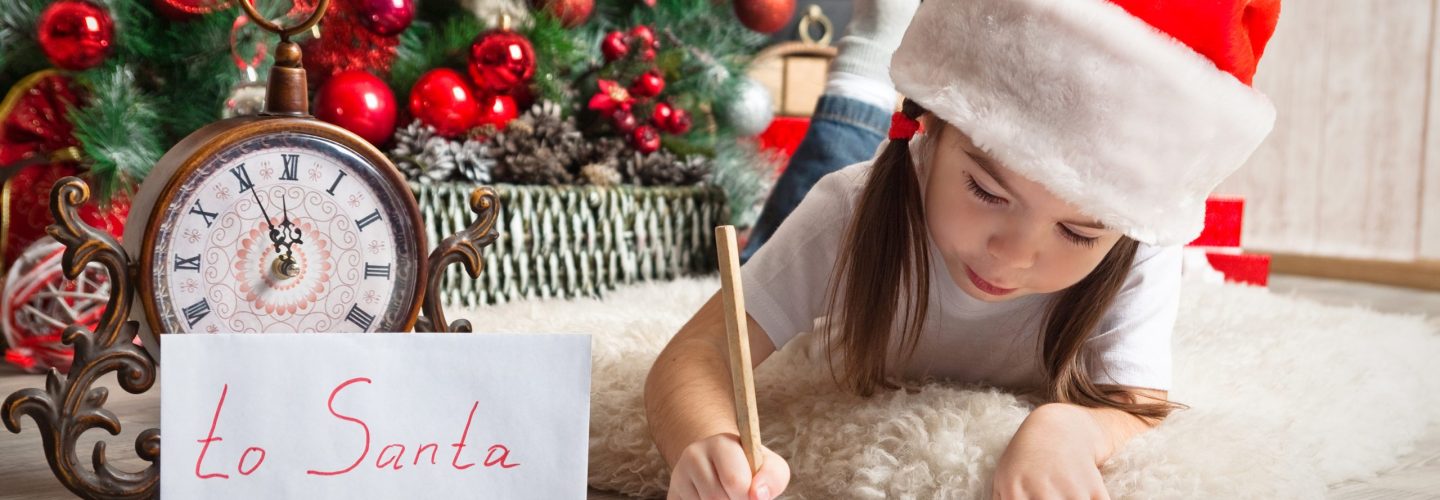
69	405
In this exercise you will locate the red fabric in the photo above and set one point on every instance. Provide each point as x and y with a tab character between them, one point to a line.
1248	268
784	135
1224	217
1232	33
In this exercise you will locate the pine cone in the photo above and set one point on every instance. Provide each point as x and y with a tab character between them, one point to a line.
601	174
539	147
664	168
422	156
474	162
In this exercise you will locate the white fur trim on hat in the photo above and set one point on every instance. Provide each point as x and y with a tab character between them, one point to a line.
1124	122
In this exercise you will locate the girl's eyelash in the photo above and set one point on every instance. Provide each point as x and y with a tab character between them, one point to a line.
992	199
1076	238
982	193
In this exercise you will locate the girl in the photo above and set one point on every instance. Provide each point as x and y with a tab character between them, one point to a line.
1029	238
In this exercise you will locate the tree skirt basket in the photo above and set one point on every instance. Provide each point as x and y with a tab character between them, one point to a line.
578	241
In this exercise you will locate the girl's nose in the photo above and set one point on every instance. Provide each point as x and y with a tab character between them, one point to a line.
1015	248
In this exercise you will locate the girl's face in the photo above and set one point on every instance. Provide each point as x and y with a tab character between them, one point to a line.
1002	235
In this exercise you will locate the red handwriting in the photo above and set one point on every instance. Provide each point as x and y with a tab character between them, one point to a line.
211	438
391	455
331	406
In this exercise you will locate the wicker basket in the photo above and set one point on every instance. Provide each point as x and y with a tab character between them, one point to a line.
578	241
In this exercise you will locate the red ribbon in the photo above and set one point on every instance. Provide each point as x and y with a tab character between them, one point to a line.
903	127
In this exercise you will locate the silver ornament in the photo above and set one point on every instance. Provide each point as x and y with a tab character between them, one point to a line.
247	98
752	109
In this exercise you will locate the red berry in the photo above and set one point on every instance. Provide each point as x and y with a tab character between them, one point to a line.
614	47
644	35
623	120
662	115
649	84
645	139
679	121
647	55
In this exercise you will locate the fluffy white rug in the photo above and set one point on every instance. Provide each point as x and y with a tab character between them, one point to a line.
1287	396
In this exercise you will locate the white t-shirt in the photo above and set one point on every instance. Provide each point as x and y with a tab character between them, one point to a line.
964	339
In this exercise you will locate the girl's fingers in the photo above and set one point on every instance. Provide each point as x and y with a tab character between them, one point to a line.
771	479
732	471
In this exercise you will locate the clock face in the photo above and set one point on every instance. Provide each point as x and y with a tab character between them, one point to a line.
284	232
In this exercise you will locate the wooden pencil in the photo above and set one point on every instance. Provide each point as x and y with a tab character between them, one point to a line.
742	377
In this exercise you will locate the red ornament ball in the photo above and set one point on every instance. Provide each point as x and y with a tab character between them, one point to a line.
500	61
359	102
75	34
571	13
386	17
765	16
614	46
187	10
497	111
645	139
649	84
442	99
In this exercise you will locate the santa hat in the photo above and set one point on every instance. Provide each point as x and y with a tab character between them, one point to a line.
1130	110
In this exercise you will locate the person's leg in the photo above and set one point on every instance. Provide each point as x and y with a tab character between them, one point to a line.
843	131
853	116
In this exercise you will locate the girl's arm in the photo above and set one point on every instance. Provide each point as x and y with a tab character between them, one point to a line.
1106	429
687	394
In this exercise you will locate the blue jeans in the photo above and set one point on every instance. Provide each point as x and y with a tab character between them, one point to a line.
842	132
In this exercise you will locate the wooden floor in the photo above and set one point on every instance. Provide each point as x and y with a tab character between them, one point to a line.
24	473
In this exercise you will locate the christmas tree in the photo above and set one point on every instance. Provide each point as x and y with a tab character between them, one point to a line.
548	92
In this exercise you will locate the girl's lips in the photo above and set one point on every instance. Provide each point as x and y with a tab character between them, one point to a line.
985	285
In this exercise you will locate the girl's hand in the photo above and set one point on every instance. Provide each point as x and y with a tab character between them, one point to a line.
1051	456
716	468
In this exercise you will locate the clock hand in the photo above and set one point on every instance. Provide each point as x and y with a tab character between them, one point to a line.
275	236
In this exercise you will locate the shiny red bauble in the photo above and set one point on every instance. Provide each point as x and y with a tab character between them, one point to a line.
649	84
442	99
614	46
500	61
75	34
359	102
571	13
765	16
497	111
645	139
386	17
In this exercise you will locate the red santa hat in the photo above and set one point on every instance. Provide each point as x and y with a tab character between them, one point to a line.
1130	110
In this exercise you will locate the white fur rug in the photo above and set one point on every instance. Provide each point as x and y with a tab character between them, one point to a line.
1287	397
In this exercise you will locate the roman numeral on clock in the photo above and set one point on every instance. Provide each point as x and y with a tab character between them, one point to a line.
187	264
291	172
369	219
243	176
360	318
199	210
376	271
196	312
335	184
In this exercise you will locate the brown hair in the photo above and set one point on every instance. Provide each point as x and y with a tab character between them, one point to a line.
884	260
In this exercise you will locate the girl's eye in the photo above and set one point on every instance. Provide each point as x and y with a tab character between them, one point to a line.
982	193
1076	238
